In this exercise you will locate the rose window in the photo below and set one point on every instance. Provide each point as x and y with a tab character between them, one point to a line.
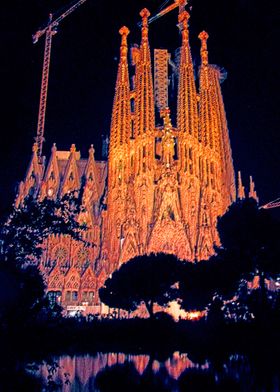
82	257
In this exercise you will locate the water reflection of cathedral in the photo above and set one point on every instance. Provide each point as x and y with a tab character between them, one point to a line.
163	185
82	371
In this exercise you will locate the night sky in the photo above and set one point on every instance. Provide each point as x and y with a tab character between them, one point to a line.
244	39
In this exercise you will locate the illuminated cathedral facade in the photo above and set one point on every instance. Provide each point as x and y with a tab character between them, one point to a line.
165	181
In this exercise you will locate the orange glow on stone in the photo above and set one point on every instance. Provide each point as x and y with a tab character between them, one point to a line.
163	186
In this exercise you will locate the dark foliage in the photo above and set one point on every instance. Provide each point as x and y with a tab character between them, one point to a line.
250	239
28	225
22	287
147	279
22	294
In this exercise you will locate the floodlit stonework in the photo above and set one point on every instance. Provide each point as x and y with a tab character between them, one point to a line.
163	185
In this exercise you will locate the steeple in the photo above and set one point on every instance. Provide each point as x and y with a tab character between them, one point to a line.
51	184
31	184
71	180
240	189
187	116
144	93
119	159
213	130
121	118
92	187
207	114
252	191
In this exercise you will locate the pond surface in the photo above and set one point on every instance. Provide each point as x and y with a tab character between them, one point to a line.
129	372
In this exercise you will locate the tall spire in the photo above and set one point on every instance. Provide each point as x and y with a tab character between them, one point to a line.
240	189
252	191
187	116
213	130
207	115
221	137
118	165
144	93
121	116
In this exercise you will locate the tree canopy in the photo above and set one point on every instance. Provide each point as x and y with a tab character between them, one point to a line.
249	238
145	279
22	286
29	224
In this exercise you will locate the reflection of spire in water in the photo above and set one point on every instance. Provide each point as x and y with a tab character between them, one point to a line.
155	366
176	365
99	363
67	365
82	370
112	359
140	362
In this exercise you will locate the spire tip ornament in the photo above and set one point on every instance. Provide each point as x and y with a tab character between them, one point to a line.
145	13
203	36
124	31
35	147
91	149
184	17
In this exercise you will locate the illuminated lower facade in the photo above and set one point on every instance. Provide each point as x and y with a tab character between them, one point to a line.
161	188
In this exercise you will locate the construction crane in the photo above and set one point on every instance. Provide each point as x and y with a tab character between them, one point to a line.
272	204
49	30
177	3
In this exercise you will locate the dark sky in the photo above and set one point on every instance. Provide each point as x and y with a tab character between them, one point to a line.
244	39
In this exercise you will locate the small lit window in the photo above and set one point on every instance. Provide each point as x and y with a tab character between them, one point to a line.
74	295
91	295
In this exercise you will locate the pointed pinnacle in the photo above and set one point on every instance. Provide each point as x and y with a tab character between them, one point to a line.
73	148
145	13
183	18
241	191
203	36
54	149
183	25
35	148
91	150
124	31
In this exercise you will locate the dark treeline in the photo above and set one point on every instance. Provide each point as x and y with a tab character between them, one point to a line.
239	319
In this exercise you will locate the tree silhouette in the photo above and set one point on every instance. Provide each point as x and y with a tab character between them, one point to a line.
148	279
250	241
28	225
22	235
249	238
22	294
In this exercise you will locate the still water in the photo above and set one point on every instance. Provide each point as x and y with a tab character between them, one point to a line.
127	372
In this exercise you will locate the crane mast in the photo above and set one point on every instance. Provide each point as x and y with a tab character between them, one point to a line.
44	90
49	30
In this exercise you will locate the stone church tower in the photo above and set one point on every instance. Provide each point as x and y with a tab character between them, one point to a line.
163	186
166	184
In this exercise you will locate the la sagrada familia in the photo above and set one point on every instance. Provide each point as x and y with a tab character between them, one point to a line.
163	186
